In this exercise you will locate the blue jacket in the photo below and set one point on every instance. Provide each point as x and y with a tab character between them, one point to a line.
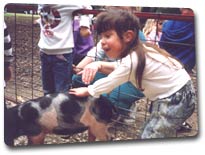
178	38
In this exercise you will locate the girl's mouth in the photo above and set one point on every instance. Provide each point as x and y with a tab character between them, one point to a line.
106	49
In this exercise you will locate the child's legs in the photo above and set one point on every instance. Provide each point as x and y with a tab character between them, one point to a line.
62	71
124	96
46	73
77	81
169	113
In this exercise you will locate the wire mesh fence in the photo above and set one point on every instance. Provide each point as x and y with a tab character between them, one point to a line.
26	81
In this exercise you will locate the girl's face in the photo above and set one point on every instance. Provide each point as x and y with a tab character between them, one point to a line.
111	44
159	24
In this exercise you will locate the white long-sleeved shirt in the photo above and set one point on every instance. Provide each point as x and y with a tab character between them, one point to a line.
56	36
162	77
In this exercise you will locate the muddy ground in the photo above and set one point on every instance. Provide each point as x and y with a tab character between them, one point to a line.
26	84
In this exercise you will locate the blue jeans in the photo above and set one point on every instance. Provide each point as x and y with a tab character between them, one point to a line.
169	113
56	72
122	96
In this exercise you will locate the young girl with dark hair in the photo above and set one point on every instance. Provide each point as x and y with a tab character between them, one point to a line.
161	77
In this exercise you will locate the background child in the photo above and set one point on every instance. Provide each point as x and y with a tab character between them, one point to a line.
8	56
83	42
8	59
183	34
56	46
153	30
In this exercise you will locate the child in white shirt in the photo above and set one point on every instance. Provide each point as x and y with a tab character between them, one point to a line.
152	70
56	46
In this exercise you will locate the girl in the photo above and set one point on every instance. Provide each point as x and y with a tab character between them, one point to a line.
153	30
161	77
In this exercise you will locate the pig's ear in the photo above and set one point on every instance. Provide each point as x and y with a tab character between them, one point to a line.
28	113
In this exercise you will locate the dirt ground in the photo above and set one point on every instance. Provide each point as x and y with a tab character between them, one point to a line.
26	84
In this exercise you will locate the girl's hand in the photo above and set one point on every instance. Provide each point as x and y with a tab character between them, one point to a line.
76	70
81	91
85	31
89	72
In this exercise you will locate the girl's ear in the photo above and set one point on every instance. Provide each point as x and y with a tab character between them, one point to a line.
128	36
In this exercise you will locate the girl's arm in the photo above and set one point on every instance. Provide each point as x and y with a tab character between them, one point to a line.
120	75
88	75
106	67
90	70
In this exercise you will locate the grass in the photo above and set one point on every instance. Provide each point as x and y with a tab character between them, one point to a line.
19	15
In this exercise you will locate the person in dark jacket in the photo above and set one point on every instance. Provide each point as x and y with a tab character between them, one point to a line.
178	38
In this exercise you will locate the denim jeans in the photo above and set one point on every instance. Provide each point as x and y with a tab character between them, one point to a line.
122	96
169	113
56	72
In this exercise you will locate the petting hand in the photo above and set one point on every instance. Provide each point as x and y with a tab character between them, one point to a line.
89	72
76	70
80	92
84	31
